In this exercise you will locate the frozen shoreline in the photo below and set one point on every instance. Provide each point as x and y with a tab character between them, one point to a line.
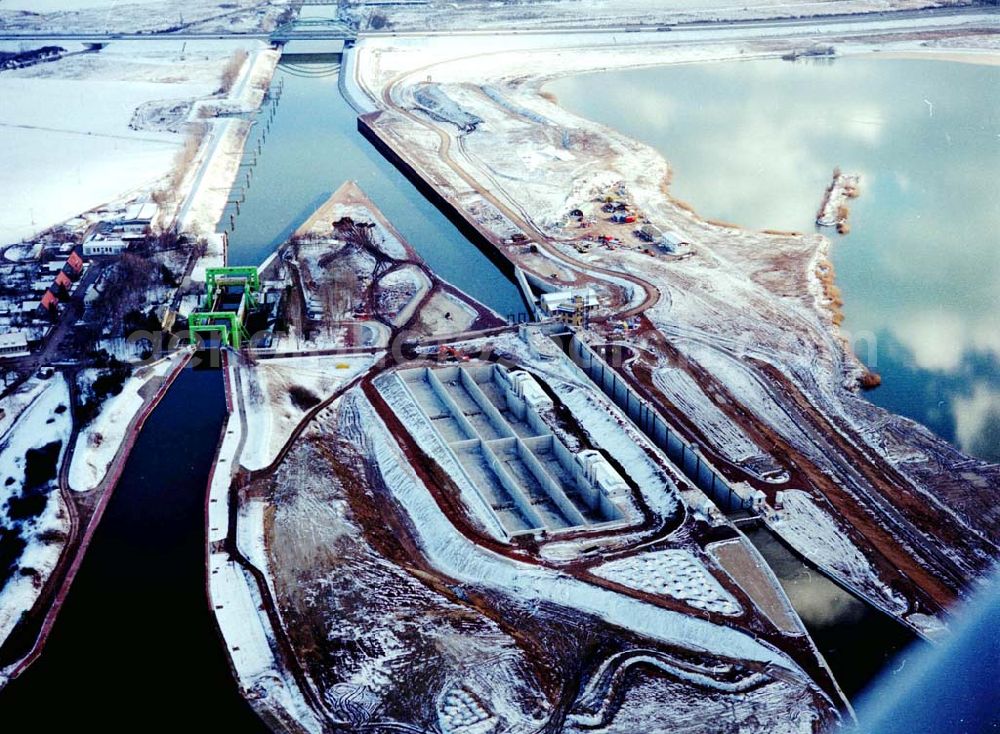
733	297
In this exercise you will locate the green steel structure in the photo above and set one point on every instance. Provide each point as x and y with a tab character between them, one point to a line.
227	324
246	276
219	317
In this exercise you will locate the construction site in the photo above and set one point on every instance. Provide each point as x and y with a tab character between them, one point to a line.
495	424
505	437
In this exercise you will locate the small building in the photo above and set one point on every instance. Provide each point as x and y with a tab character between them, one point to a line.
74	265
62	282
138	218
527	388
99	245
670	240
572	306
601	474
48	304
13	344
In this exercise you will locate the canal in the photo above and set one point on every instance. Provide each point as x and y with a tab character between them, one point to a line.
858	642
135	641
312	147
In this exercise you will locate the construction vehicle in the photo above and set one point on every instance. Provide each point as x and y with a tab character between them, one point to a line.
446	352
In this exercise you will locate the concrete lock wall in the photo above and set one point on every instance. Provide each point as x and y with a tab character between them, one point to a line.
691	463
552	488
511	484
489	410
535	477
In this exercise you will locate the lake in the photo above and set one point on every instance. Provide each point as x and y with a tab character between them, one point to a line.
920	270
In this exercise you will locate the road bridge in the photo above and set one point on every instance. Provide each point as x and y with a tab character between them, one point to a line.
335	30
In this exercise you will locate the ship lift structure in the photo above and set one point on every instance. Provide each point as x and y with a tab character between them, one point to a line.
230	295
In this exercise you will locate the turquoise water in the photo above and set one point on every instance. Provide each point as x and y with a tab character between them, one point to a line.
312	147
755	143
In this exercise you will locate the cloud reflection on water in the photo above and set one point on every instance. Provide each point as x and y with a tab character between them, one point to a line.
755	142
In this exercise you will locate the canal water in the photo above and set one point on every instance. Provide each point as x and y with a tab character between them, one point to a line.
858	642
135	643
755	143
311	148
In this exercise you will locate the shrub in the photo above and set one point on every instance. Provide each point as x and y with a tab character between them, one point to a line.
231	71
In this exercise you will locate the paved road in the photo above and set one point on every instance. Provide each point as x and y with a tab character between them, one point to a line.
955	14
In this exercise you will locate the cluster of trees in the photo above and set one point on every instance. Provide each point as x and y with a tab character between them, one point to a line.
19	59
123	289
109	381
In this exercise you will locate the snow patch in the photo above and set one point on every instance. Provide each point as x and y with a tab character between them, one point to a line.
675	573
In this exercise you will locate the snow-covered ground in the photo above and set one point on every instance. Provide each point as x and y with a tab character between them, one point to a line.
550	14
69	141
683	391
675	573
99	441
734	300
400	292
147	16
277	393
456	556
814	533
204	191
34	418
235	597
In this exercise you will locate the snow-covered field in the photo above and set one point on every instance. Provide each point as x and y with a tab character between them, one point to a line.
68	145
36	417
99	441
277	393
549	14
131	16
455	555
675	573
685	393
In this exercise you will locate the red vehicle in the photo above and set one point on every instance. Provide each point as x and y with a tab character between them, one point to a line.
447	352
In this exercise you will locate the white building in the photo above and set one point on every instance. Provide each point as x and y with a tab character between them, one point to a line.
13	344
568	304
100	246
526	388
601	474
